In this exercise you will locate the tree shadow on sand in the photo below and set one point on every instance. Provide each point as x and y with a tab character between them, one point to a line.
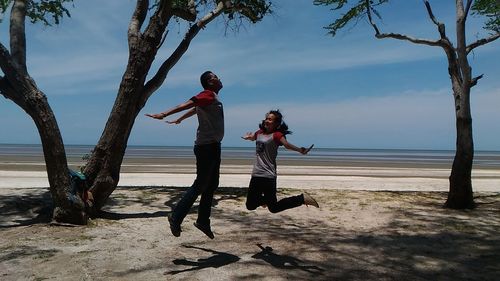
284	261
141	195
417	240
145	196
218	259
31	207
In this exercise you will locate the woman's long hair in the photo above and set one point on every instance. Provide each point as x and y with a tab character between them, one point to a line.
282	127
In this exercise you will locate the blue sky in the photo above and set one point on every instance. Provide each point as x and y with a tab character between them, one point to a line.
350	91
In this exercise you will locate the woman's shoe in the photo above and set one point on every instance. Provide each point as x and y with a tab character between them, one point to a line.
309	200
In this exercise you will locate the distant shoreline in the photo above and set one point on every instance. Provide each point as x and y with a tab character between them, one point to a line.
142	158
169	164
401	170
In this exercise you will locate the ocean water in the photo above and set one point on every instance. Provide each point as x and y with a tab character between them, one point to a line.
333	156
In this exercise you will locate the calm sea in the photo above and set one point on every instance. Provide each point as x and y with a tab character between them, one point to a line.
333	156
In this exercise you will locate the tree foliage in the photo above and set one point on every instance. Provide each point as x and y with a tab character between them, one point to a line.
490	9
357	10
47	12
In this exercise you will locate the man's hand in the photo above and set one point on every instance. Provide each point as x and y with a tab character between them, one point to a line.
158	116
177	121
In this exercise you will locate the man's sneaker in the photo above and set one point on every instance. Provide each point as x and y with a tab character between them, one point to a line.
174	227
205	228
309	201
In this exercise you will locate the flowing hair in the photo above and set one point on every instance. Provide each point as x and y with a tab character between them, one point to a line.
282	127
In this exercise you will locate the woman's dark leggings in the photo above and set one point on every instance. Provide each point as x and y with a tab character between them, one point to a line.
262	191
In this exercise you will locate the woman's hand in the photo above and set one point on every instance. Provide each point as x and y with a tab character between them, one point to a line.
304	150
248	136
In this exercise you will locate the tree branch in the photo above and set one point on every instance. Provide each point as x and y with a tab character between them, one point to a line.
138	17
440	43
467	8
474	80
154	83
158	22
481	42
370	19
18	35
187	13
440	26
10	69
398	36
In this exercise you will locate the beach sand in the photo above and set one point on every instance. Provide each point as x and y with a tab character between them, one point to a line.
374	223
377	178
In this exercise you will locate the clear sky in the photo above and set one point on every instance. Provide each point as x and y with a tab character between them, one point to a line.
350	91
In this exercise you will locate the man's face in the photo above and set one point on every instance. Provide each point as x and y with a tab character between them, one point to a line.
214	82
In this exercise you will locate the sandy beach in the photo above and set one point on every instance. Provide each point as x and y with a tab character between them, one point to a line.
298	177
374	223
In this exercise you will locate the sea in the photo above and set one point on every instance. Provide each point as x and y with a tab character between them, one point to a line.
318	155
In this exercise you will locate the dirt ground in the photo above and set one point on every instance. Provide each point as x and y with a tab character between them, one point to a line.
355	235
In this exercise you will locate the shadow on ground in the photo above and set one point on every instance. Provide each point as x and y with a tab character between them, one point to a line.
419	241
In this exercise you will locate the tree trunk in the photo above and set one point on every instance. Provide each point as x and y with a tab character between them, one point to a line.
17	85
103	167
68	206
460	195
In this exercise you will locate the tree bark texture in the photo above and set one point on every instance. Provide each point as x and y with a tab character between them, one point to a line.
460	195
18	86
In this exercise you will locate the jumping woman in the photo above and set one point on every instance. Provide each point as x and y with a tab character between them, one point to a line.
262	189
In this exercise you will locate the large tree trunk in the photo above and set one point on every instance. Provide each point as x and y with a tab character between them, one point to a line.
18	86
68	207
460	195
103	167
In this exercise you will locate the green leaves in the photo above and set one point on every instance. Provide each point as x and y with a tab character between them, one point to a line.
356	12
4	4
253	10
489	9
45	11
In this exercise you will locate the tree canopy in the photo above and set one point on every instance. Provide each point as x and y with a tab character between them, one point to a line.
490	9
47	12
355	11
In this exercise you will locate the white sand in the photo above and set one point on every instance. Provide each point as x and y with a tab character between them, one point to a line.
397	179
354	235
